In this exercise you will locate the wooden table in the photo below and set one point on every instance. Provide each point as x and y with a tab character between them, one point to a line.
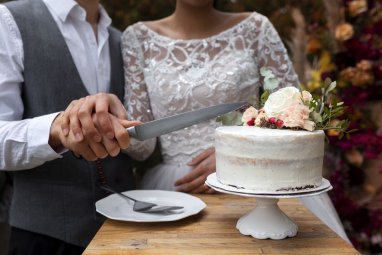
213	231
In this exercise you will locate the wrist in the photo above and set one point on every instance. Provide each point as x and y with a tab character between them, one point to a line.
55	134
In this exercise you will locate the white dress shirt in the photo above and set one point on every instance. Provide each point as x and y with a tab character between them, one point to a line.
24	143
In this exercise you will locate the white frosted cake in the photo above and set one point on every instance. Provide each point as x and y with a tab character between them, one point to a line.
264	160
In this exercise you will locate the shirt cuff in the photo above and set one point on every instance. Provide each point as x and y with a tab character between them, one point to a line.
38	137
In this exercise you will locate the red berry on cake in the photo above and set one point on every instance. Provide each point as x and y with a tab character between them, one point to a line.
272	120
251	122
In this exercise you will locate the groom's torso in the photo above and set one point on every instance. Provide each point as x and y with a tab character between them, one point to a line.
57	198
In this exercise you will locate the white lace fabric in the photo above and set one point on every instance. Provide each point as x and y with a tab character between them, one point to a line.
166	76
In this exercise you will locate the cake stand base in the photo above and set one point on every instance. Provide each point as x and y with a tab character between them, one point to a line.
267	221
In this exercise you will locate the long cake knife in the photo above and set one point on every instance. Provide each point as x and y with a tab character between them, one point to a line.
169	124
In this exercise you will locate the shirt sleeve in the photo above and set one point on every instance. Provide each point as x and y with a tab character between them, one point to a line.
136	98
273	54
23	143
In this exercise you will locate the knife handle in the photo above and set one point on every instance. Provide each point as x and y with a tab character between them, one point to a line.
132	132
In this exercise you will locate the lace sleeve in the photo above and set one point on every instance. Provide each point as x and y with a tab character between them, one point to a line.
273	54
136	98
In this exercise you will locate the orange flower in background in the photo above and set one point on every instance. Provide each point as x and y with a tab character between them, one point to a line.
364	65
354	157
348	73
333	132
369	188
360	76
357	7
346	76
344	32
313	45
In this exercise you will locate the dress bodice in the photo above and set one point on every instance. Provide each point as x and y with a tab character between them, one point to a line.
166	76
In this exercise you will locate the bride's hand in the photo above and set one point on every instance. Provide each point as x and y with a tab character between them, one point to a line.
203	165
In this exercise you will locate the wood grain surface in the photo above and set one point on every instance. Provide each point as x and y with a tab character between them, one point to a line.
213	231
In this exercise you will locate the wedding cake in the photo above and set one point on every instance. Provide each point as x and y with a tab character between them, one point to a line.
269	160
279	147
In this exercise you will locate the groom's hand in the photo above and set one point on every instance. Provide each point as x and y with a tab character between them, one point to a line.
100	122
91	150
58	141
78	117
203	165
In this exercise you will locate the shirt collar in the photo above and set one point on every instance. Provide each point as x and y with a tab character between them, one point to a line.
104	19
62	8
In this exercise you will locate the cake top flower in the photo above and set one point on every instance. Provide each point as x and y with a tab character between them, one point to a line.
294	109
287	107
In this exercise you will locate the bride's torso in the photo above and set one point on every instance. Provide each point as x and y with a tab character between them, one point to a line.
185	75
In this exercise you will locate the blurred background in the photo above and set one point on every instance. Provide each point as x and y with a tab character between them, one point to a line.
340	39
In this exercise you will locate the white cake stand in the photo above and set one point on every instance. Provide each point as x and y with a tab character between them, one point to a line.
266	220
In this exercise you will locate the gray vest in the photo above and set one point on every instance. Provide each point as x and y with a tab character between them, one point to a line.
57	199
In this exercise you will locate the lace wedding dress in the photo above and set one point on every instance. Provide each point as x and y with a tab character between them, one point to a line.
166	76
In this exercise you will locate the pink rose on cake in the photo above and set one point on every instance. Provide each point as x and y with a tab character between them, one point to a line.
297	116
249	116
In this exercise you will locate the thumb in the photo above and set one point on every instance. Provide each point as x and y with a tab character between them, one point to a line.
129	123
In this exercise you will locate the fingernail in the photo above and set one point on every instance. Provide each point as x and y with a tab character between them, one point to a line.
110	135
78	136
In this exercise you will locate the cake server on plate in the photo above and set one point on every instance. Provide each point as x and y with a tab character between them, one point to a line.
169	124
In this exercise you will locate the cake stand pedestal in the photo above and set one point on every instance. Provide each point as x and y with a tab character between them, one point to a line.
266	220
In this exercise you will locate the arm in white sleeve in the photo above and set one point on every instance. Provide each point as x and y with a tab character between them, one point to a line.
136	99
273	54
23	143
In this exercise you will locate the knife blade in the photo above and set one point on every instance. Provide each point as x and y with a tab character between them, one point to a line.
169	124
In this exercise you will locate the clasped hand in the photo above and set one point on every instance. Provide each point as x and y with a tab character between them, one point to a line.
93	127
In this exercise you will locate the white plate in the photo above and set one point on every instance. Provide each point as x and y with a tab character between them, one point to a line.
214	183
116	208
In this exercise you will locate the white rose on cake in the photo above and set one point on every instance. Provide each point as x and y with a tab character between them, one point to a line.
280	100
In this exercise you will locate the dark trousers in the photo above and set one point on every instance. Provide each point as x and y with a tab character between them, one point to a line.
4	238
28	243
